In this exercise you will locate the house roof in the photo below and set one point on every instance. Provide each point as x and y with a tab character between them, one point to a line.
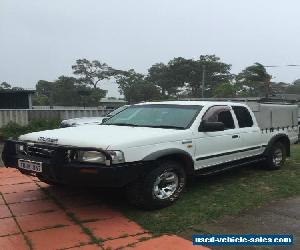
105	100
289	97
29	91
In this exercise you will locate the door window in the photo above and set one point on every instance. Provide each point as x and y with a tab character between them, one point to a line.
243	116
219	114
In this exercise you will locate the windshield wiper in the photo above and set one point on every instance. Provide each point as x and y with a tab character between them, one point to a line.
122	124
144	125
167	126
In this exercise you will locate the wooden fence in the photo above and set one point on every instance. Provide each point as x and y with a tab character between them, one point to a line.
24	116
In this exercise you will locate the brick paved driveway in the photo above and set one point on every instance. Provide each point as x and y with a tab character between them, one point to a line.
34	215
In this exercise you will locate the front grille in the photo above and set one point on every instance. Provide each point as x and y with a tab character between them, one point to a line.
39	151
35	150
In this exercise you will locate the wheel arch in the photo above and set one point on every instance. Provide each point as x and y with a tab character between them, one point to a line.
284	139
174	154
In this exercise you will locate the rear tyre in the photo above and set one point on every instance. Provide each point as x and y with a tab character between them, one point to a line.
159	188
276	156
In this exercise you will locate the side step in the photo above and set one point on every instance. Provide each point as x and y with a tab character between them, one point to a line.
228	165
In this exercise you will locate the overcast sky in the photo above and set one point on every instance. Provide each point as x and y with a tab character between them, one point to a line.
41	39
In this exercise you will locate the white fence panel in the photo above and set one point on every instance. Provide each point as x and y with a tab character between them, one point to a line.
24	116
65	107
68	114
19	116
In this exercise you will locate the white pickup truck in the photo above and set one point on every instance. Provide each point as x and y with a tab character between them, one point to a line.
151	148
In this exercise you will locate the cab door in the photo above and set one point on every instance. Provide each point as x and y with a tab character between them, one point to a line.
217	147
250	133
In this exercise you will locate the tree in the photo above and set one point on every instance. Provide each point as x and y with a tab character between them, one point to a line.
91	73
160	75
225	90
17	88
44	93
189	73
296	82
5	85
66	92
255	80
144	91
294	88
214	71
136	88
180	72
91	97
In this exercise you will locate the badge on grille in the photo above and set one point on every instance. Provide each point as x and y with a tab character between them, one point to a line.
47	139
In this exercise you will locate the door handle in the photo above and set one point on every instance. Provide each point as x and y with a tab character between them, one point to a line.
186	141
235	136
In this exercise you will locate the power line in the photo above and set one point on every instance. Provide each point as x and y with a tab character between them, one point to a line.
279	66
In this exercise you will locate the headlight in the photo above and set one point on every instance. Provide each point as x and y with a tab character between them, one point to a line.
98	157
90	156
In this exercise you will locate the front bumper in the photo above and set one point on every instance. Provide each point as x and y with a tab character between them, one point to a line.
57	169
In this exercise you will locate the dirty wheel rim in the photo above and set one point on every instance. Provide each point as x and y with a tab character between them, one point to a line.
277	156
165	185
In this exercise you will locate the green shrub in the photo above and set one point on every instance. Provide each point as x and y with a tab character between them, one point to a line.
14	130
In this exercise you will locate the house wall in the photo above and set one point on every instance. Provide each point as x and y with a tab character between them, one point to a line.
15	100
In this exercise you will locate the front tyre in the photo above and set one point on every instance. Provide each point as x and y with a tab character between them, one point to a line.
276	156
160	188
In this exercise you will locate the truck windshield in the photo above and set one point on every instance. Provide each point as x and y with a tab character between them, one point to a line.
118	110
157	116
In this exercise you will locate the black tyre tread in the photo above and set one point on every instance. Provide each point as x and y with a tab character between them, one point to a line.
269	162
140	193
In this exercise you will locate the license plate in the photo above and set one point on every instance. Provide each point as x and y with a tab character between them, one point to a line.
30	165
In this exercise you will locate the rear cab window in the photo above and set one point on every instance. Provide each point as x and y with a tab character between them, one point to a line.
243	116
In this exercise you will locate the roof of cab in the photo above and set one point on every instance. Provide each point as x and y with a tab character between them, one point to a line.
200	103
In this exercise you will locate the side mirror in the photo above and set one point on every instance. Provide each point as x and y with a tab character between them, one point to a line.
211	126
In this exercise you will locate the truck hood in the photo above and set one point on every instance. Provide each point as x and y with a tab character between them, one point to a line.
106	136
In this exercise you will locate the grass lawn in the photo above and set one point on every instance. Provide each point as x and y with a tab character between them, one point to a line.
209	198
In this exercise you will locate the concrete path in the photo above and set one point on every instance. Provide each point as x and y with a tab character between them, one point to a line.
34	215
281	217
